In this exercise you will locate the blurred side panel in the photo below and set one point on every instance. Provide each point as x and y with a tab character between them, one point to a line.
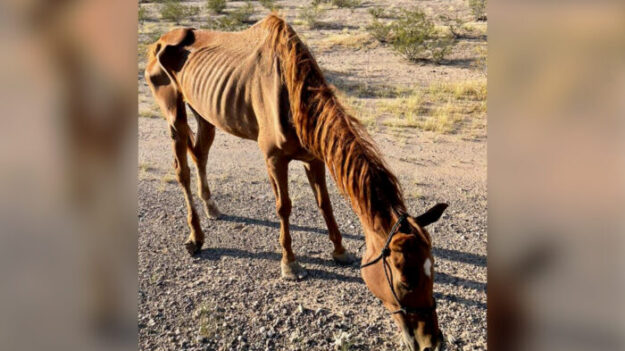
556	175
68	228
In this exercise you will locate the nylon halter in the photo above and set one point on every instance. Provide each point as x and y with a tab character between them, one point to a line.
388	273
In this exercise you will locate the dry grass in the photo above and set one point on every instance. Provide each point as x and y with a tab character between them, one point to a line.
149	172
442	107
475	28
148	113
357	108
347	40
310	16
167	179
465	90
209	320
406	109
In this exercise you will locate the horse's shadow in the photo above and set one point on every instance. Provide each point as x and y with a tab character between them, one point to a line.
214	254
452	255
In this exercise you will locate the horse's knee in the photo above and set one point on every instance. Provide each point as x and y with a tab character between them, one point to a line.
183	174
173	133
284	208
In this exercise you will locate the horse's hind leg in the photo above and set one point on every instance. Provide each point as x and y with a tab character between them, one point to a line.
316	173
181	136
199	151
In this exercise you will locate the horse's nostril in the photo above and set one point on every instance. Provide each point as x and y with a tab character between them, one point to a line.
427	349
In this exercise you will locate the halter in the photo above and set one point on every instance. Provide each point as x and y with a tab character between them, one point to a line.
386	251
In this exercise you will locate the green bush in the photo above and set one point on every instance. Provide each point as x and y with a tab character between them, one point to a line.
310	15
225	23
174	11
233	21
243	13
269	4
478	7
350	4
380	31
454	23
192	11
142	14
216	6
380	12
414	36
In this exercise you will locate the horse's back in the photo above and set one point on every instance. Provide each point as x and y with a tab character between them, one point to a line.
232	80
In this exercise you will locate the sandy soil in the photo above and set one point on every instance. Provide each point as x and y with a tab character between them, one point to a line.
231	296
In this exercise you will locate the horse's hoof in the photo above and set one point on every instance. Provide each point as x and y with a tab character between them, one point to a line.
192	247
293	271
211	209
344	258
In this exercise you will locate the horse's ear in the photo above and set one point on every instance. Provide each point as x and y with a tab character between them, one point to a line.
432	215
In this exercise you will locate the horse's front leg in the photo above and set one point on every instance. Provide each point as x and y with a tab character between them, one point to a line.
278	175
316	173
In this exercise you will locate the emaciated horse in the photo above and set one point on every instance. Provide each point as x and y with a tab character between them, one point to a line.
263	84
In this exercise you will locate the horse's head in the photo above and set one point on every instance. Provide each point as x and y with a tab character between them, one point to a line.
401	274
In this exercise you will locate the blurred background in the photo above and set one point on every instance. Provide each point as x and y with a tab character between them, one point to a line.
68	227
68	182
556	175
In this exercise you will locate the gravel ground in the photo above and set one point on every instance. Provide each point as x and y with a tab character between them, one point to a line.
231	296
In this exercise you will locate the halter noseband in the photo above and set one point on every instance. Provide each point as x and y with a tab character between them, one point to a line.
386	251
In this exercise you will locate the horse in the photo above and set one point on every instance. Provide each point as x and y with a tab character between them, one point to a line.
263	84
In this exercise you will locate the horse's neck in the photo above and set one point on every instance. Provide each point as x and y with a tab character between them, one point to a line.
376	231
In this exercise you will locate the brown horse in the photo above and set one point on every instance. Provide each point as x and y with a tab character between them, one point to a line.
263	84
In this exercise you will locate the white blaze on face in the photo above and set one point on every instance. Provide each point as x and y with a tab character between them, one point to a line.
427	267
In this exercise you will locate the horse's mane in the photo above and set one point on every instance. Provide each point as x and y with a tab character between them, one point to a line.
329	132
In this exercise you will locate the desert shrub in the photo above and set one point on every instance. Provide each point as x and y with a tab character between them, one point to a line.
216	6
191	11
269	4
243	13
478	7
440	48
454	23
174	11
481	58
310	15
414	36
225	23
377	12
379	30
350	4
380	12
142	14
235	20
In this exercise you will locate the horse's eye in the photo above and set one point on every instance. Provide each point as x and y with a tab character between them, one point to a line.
406	285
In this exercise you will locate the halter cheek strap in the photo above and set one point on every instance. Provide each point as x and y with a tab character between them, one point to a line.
388	273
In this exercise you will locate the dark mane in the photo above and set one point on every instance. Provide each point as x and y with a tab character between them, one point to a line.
329	132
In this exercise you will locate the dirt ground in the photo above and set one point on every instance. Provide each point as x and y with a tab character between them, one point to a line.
231	296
